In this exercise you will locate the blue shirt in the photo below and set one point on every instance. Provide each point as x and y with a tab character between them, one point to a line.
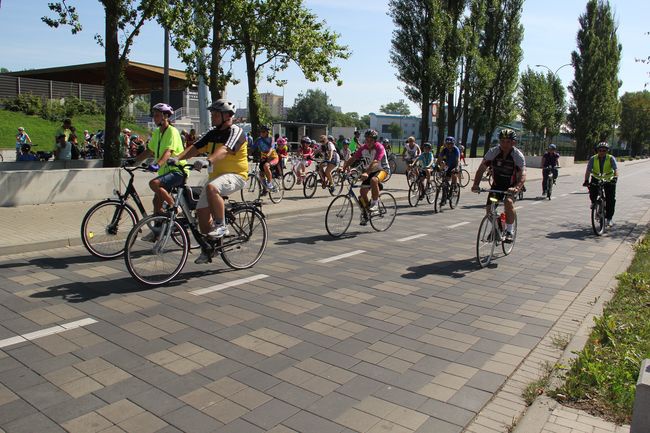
451	156
426	159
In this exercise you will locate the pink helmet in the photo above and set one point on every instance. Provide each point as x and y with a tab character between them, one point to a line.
282	141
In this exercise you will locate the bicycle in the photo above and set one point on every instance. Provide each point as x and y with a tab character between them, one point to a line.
157	263
599	207
446	192
548	187
417	190
106	224
491	231
341	211
289	178
255	186
310	185
463	177
392	164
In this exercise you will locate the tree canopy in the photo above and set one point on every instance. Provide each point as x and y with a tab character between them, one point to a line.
399	107
635	119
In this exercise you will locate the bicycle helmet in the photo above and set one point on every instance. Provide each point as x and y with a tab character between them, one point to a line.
222	106
346	141
603	145
371	133
330	138
163	108
20	128
386	141
552	146
282	141
450	139
264	128
427	145
509	134
305	140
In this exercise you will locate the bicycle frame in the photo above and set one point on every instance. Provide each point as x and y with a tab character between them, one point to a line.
130	191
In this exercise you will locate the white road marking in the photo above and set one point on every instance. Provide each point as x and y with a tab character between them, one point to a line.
519	207
342	256
458	225
222	286
535	202
45	332
410	238
564	195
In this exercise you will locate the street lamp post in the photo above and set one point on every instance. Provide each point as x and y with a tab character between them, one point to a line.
550	70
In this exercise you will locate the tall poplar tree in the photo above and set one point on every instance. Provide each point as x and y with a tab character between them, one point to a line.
594	110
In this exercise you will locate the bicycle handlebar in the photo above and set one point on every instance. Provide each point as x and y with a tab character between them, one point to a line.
495	191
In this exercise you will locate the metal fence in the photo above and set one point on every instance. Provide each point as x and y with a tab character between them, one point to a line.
10	87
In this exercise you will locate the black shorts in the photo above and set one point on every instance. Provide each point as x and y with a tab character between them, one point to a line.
499	196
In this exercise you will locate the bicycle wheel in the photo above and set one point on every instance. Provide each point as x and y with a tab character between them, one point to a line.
441	198
339	216
158	262
288	180
246	242
392	165
252	189
508	246
598	217
309	185
277	195
337	181
549	186
430	193
411	176
105	227
463	177
385	216
485	241
414	194
454	195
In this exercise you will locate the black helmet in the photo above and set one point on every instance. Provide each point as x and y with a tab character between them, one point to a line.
371	133
222	106
509	134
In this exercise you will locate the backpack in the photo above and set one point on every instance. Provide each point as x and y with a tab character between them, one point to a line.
74	151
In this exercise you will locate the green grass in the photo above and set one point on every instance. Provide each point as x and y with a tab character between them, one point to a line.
41	131
602	378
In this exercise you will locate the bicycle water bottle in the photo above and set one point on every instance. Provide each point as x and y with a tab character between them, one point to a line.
502	221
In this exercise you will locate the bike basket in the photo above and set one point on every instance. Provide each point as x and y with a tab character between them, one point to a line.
192	194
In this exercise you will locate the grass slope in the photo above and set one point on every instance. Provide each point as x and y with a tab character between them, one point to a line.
41	131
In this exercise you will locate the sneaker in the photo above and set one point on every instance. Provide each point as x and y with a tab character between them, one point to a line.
203	258
374	207
332	189
508	237
553	181
218	232
150	237
544	193
609	222
364	220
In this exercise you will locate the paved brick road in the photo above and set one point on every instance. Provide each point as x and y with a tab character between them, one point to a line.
404	336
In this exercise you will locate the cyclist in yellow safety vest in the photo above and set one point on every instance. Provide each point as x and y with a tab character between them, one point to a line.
603	166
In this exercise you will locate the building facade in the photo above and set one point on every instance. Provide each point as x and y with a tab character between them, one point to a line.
275	104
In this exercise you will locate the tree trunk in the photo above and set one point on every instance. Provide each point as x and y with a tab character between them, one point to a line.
216	85
113	88
251	76
451	114
441	118
424	124
488	141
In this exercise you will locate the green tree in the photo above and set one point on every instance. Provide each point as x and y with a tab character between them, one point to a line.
415	52
123	22
635	118
395	130
595	109
313	106
3	70
399	107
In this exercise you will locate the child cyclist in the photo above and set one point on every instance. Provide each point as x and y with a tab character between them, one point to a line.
283	152
306	156
425	161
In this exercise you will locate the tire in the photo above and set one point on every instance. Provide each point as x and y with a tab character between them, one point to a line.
549	186
430	193
437	177
437	206
105	227
484	242
276	197
337	182
156	263
309	185
598	218
383	220
252	190
288	181
339	216
411	176
414	194
463	177
454	196
249	234
508	246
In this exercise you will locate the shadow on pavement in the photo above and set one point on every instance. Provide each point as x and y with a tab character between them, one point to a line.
56	262
76	292
584	232
312	240
418	211
450	268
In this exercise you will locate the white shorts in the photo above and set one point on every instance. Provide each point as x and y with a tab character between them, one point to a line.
226	184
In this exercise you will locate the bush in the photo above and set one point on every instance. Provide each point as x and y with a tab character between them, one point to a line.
26	103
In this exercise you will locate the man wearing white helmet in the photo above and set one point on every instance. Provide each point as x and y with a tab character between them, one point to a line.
227	162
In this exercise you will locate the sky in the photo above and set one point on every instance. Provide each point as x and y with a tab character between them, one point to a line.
550	28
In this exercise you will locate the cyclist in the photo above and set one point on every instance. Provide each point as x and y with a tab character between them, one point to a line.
21	139
376	170
550	159
306	156
345	150
165	142
425	159
451	155
411	151
268	156
227	163
461	147
331	159
283	152
603	166
508	174
355	143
